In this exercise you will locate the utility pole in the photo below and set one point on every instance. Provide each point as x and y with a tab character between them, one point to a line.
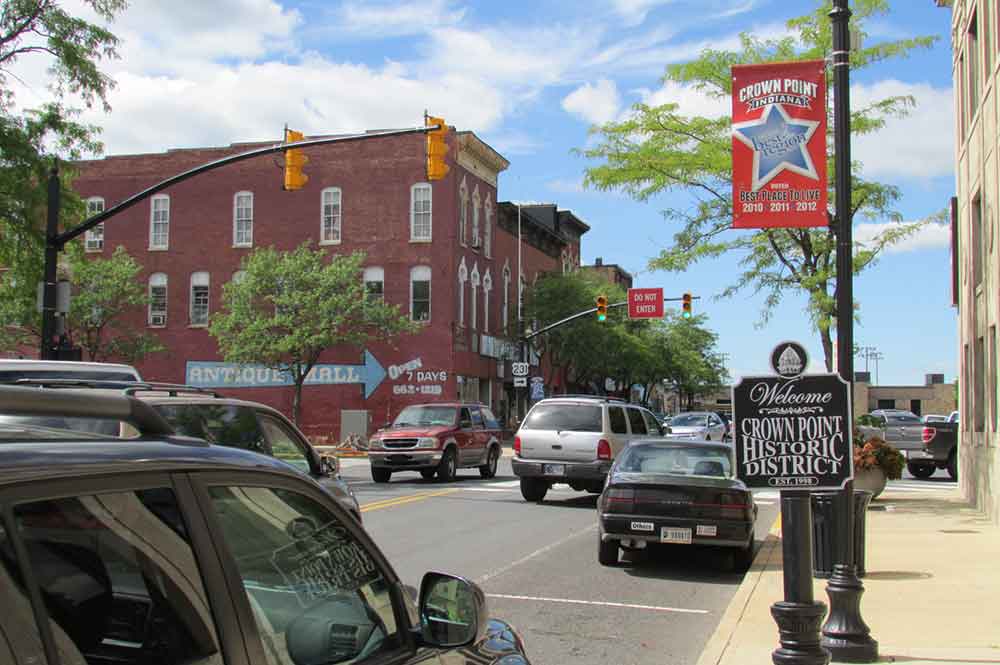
845	634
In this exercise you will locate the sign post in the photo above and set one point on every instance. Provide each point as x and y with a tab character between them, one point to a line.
792	432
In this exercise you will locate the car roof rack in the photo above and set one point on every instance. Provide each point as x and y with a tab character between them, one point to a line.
603	398
128	387
172	389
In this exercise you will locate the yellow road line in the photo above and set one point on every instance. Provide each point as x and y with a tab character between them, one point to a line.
401	500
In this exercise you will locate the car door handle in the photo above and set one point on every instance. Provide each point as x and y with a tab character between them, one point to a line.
556	446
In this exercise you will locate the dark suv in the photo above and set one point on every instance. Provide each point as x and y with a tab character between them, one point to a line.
164	549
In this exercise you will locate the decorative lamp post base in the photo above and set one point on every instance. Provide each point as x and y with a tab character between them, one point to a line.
845	633
798	632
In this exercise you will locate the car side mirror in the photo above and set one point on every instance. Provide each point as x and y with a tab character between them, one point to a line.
452	611
329	465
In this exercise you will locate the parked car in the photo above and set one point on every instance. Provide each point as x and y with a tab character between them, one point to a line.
706	425
167	549
901	429
207	415
574	440
939	451
12	371
437	439
679	492
953	417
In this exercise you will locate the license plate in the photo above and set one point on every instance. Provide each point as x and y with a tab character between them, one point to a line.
682	536
642	526
707	530
554	469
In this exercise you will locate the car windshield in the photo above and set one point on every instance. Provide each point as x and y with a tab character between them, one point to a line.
688	420
565	417
902	419
441	416
676	460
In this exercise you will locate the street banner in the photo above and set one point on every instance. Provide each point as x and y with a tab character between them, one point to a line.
779	145
645	303
791	430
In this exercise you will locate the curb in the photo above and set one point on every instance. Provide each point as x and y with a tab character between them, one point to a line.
717	645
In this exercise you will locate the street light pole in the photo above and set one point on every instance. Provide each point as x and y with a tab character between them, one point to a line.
52	247
845	634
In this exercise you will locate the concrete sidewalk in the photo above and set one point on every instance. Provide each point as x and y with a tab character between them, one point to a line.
932	592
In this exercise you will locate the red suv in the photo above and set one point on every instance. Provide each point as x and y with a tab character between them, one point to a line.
437	439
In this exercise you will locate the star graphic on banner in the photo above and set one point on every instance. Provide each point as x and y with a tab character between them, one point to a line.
778	143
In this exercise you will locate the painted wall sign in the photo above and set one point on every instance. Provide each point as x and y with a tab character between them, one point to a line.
206	374
418	381
779	145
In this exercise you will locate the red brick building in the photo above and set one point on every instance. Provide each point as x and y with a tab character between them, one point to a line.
445	251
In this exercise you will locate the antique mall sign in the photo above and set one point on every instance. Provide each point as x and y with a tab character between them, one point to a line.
792	430
779	145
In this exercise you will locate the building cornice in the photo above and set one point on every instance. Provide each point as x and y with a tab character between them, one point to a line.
477	157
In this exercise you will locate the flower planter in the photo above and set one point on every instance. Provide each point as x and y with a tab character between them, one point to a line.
872	480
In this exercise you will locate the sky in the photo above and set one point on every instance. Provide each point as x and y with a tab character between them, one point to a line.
532	78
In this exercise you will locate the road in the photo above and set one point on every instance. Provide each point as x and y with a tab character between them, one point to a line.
538	565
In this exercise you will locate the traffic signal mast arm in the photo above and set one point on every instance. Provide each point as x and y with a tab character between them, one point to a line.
534	333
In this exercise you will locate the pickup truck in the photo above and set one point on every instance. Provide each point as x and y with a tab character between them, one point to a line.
940	446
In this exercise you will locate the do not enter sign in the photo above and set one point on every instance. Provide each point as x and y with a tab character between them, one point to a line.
645	303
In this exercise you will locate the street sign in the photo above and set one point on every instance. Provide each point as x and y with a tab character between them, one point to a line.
520	382
519	369
793	430
645	303
537	388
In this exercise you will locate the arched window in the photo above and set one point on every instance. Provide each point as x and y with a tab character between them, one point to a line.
463	211
505	302
420	293
463	276
475	216
420	213
93	240
330	216
474	282
199	299
488	228
487	287
157	299
374	278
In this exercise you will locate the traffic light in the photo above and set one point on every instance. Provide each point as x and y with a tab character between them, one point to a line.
686	306
437	148
602	308
295	179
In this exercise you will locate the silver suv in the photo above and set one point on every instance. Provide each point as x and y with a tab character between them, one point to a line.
574	440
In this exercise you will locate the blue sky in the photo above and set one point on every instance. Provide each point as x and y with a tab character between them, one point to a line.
531	78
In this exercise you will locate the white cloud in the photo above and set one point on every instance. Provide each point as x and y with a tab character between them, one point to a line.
634	12
597	104
690	101
513	143
920	145
928	236
566	186
396	19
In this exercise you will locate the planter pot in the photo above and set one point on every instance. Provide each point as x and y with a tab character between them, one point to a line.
872	480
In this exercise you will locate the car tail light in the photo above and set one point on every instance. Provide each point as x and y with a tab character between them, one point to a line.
928	434
619	500
730	506
603	449
517	446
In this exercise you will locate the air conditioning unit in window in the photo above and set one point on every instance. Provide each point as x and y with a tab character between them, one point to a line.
158	320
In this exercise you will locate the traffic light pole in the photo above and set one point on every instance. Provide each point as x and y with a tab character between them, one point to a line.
573	317
55	241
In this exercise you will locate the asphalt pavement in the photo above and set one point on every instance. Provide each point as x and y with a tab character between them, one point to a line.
538	565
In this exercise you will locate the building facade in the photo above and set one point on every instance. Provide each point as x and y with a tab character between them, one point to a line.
976	278
443	251
611	272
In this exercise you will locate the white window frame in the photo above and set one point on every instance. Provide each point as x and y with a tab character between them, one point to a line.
487	287
463	212
420	187
505	303
246	241
200	279
333	223
371	275
488	228
463	276
421	274
474	282
153	223
476	203
157	280
93	239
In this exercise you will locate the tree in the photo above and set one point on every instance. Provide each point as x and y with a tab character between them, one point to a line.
30	139
658	150
105	293
290	307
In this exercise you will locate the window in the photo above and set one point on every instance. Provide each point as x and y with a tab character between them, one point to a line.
330	226
979	378
118	579
159	222
317	594
487	287
284	444
243	219
488	228
963	111
475	217
991	378
158	299
374	278
636	421
463	276
987	44
565	417
463	211
972	40
420	213
652	426
93	240
420	293
475	296
977	240
18	619
222	424
199	299
616	415
505	303
477	418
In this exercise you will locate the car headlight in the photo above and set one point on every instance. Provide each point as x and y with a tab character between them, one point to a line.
427	442
374	443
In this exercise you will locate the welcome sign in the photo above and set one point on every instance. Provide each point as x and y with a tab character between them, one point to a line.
793	430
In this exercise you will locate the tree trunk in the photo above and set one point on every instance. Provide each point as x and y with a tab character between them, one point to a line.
297	399
825	338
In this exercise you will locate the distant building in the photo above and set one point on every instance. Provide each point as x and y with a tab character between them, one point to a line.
935	396
612	272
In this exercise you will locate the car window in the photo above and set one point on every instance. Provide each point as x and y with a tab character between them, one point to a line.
285	444
318	596
489	420
224	424
616	415
902	419
675	460
635	420
652	426
568	417
688	420
118	579
426	415
477	418
22	643
464	418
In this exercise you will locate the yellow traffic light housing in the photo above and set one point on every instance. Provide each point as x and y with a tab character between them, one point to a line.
602	308
295	179
437	148
686	306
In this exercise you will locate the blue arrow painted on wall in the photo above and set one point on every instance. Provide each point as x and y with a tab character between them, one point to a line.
207	374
